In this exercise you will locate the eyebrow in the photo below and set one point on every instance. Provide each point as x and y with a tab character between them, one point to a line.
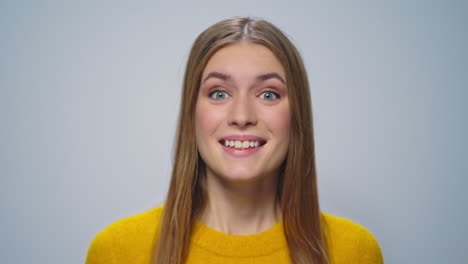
261	77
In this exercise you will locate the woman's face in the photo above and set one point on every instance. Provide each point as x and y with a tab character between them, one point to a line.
242	113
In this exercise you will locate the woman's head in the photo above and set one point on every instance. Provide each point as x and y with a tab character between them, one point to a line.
242	117
291	132
230	35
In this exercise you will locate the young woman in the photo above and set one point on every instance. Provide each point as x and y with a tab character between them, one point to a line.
243	186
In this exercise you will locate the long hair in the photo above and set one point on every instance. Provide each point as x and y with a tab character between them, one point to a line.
297	186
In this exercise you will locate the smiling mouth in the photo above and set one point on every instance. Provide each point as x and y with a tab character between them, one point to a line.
242	144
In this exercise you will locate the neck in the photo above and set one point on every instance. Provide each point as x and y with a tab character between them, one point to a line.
241	208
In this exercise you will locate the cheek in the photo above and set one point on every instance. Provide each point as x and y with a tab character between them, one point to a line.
206	120
279	121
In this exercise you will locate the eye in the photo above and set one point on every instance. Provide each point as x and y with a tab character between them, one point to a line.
269	96
218	95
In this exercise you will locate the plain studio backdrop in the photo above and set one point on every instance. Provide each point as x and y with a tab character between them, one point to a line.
90	95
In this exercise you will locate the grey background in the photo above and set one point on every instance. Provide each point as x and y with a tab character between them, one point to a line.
89	100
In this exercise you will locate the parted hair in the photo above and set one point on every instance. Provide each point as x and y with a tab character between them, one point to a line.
297	185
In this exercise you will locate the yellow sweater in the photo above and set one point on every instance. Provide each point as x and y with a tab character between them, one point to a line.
130	240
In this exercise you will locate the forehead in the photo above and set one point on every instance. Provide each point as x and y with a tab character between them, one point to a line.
244	59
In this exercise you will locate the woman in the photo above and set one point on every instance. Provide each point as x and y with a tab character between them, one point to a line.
243	186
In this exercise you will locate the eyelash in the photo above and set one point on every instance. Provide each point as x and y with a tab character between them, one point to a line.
276	95
217	91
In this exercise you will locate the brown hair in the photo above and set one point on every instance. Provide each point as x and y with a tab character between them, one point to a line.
297	186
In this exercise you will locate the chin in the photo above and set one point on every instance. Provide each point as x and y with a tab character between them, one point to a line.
241	175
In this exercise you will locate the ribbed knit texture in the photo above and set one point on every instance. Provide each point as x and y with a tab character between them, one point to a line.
130	240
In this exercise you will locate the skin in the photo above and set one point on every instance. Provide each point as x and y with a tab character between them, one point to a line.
241	190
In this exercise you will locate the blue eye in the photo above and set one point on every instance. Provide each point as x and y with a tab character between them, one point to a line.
269	96
218	95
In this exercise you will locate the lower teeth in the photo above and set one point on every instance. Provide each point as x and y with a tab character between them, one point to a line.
242	147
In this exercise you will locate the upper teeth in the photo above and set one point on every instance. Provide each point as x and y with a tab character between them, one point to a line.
241	144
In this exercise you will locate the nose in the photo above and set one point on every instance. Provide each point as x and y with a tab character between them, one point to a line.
242	113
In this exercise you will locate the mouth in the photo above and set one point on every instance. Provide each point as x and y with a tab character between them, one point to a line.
241	144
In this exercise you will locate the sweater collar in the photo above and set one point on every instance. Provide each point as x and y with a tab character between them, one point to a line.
263	243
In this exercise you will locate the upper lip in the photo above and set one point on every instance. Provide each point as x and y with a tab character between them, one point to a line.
243	138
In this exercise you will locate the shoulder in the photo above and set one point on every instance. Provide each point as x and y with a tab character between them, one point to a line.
348	241
124	234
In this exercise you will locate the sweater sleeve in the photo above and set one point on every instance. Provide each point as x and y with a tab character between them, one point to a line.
102	248
369	249
128	240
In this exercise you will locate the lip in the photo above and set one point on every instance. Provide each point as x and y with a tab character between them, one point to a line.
242	152
243	138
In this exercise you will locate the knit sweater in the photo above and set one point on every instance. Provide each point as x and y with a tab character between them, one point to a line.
130	240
